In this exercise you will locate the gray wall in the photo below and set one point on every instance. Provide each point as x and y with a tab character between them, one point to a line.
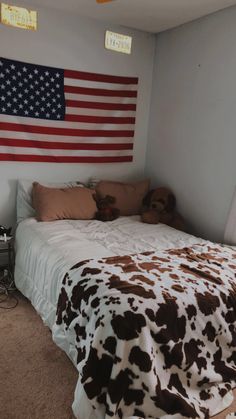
66	40
192	134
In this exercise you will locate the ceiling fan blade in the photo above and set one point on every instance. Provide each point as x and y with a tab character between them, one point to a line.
103	1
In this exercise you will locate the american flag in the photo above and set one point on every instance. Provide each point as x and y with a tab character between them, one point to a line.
52	115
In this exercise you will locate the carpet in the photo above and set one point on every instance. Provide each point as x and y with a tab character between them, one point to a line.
37	380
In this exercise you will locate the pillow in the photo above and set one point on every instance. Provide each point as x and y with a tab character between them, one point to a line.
129	196
24	207
74	203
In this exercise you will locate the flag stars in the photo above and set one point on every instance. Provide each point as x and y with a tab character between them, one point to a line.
21	87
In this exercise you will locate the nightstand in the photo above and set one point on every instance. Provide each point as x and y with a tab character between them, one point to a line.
7	270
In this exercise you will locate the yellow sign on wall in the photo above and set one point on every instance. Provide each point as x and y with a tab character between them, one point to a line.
118	42
18	17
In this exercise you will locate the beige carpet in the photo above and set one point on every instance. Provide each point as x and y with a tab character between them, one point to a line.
37	380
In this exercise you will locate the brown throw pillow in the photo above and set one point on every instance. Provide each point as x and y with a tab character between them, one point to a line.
74	203
128	196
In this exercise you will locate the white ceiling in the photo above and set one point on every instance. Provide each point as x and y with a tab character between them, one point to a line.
148	15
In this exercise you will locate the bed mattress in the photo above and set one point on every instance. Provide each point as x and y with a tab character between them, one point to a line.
139	268
45	251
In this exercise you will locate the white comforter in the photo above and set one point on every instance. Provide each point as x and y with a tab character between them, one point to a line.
46	250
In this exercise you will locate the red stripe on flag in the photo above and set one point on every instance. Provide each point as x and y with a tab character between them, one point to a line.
34	129
100	92
105	78
64	159
100	119
64	146
101	105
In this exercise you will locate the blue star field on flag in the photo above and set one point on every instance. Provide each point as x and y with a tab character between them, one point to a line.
30	90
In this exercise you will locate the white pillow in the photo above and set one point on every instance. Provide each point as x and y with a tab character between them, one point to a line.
24	207
230	229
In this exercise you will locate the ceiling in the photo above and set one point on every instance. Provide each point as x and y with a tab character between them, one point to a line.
148	15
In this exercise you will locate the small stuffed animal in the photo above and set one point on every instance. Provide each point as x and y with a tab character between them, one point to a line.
105	211
160	206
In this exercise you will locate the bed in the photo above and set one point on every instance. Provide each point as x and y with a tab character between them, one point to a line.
146	313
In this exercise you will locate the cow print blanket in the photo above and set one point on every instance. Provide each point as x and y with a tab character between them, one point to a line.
155	333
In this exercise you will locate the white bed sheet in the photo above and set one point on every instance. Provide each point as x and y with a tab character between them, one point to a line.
45	251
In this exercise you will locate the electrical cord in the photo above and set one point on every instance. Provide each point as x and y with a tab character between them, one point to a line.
7	287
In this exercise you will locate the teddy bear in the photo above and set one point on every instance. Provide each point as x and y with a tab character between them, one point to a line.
160	207
105	211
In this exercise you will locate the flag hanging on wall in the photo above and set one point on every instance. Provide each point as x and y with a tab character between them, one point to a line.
52	115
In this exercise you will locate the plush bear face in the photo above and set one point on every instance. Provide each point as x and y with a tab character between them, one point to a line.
105	202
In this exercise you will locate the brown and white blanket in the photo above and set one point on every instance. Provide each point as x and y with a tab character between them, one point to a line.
155	333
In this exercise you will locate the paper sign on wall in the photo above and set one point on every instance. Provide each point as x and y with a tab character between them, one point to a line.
18	17
118	42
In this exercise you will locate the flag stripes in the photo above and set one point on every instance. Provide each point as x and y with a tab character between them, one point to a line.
64	146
